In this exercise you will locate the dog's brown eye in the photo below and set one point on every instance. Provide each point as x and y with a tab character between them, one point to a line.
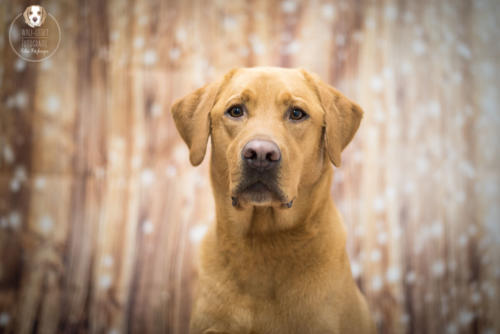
31	12
235	111
296	114
38	13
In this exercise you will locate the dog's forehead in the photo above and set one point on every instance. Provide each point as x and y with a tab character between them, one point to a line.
270	81
35	7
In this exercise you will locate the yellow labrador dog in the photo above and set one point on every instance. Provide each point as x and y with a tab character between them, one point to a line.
275	261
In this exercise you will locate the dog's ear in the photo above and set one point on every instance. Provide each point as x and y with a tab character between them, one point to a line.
44	15
25	15
341	120
192	117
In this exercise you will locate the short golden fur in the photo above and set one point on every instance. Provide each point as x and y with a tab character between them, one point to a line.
266	268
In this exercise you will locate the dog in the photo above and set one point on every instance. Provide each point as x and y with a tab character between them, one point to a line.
34	16
275	261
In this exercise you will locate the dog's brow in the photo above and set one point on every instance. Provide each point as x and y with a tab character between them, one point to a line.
286	98
246	95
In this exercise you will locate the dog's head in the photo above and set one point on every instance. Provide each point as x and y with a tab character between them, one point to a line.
34	16
272	129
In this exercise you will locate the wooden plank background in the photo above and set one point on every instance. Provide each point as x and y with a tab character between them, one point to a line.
101	213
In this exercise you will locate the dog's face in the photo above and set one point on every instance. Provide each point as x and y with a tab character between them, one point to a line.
34	16
272	132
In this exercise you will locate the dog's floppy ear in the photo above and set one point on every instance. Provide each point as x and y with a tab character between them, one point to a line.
44	15
25	15
342	117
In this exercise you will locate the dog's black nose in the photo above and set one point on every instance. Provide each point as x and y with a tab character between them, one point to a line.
261	154
35	18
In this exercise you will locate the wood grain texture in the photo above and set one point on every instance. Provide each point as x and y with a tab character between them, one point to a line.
101	213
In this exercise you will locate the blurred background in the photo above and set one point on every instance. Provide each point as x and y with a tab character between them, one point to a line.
101	212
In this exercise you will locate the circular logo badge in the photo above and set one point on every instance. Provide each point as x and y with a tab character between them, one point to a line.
34	35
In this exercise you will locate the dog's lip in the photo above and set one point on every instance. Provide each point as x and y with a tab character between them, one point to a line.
258	187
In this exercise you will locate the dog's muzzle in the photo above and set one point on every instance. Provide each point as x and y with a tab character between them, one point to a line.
260	166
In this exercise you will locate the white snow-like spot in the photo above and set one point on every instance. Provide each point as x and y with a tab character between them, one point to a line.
14	185
382	238
467	169
4	319
291	48
170	171
463	240
475	298
40	182
229	23
422	165
436	229
409	187
328	11
20	65
147	227
434	109
408	17
150	57
379	204
156	110
375	255
377	84
15	219
411	277
419	47
377	283
406	68
21	99
142	20
289	6
451	328
370	23
107	261
404	318
174	53
52	104
8	154
356	269
390	12
114	331
181	154
438	268
465	317
181	34
105	281
464	50
393	275
340	40
138	42
196	233
46	223
256	44
114	36
20	173
147	177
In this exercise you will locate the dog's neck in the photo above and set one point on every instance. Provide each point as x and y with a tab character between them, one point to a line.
262	221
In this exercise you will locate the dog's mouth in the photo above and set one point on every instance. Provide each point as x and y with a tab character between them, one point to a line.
260	193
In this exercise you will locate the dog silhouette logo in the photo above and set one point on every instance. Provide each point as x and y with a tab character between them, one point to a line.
34	16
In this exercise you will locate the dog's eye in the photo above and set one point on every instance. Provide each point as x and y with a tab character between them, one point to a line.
39	13
297	114
31	12
235	111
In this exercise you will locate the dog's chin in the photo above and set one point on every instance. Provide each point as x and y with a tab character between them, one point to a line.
258	194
